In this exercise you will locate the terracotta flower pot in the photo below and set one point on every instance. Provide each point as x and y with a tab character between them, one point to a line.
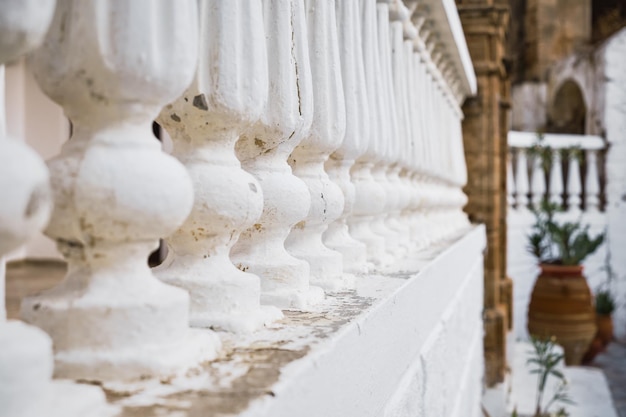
605	328
561	306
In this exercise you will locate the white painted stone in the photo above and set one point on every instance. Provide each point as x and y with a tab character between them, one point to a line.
574	187
354	144
386	171
227	96
26	361
401	52
521	178
370	195
613	77
307	160
556	180
264	150
434	364
538	182
592	182
110	318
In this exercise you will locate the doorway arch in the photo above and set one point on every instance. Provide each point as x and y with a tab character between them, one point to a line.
568	111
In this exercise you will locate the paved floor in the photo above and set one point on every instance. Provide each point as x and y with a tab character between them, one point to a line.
613	363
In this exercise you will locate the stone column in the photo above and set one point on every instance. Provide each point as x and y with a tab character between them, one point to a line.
484	135
115	192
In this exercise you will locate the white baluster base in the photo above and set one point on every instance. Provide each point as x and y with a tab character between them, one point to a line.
26	388
305	240
222	296
324	262
121	324
354	252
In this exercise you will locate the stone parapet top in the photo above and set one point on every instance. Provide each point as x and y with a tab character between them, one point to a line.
555	140
349	353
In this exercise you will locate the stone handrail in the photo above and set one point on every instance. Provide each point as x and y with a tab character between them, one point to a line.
562	168
314	141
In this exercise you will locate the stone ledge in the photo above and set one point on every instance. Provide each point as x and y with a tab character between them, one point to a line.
354	355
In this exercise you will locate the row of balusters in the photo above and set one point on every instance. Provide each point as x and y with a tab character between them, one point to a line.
573	178
314	140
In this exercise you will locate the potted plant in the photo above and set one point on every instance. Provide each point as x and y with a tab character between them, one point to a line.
605	305
561	302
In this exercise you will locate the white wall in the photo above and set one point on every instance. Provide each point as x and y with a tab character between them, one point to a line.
614	75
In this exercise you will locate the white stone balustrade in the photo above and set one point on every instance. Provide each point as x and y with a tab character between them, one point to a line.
227	97
308	159
530	184
312	140
264	150
115	192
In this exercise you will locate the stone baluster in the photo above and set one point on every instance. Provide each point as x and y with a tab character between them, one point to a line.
399	143
521	177
424	88
337	236
26	358
538	182
115	192
458	170
422	189
227	97
386	171
307	160
370	195
556	180
264	150
415	159
574	186
402	45
26	361
435	112
431	191
592	182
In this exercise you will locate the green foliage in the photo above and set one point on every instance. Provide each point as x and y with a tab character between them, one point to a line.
566	243
605	303
546	361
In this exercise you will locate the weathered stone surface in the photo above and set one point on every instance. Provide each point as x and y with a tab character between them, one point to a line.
346	357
